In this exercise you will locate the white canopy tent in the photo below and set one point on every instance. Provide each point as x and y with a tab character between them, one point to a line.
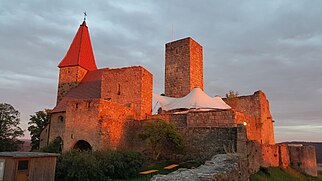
196	99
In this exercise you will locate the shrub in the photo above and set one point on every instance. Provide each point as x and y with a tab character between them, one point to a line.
98	165
162	137
53	147
232	98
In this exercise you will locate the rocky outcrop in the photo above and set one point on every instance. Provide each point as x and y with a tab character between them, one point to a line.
222	167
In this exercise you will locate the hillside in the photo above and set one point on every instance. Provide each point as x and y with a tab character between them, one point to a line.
318	147
279	174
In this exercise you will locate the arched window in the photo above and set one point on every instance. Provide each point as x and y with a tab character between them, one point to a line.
57	144
61	118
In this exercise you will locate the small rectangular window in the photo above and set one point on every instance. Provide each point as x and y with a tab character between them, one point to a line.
22	165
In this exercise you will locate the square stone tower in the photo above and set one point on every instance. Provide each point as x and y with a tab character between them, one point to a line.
183	67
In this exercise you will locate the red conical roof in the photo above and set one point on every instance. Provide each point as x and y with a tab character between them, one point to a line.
80	52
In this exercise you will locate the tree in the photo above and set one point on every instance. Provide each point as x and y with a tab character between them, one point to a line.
37	123
9	128
232	98
161	136
54	146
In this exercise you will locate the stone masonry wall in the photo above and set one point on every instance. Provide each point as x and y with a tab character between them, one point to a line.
284	156
179	120
69	78
303	159
126	86
183	67
267	128
209	140
256	108
97	121
130	138
201	142
270	155
113	121
82	124
222	118
53	130
57	126
253	131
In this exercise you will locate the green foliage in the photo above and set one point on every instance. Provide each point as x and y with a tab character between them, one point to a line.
232	98
232	94
120	164
37	123
279	174
161	137
54	146
97	165
9	129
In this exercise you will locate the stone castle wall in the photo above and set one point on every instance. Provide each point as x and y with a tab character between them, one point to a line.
284	156
126	86
258	118
82	123
179	120
222	118
203	138
300	158
53	130
96	121
204	142
69	78
113	124
303	159
57	129
183	67
270	155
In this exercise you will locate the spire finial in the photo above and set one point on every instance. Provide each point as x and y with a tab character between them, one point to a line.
85	15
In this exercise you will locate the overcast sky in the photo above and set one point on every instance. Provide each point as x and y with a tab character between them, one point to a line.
274	46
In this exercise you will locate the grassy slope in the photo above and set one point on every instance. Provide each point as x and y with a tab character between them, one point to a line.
279	174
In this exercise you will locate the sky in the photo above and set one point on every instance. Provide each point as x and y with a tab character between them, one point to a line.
274	46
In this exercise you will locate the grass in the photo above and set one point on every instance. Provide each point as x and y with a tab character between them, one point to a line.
280	174
160	166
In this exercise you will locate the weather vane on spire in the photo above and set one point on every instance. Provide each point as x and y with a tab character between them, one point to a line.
85	15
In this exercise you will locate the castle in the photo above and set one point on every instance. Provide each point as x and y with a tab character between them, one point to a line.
101	109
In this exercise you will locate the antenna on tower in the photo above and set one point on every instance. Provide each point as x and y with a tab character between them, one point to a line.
85	15
172	33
